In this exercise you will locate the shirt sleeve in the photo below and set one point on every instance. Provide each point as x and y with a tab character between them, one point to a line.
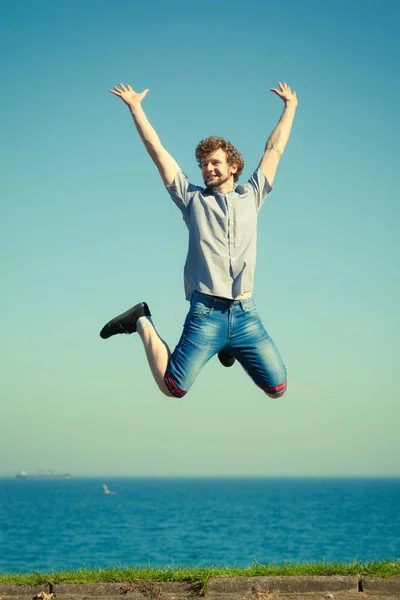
260	187
182	192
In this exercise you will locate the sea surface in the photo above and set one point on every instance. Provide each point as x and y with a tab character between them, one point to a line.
67	524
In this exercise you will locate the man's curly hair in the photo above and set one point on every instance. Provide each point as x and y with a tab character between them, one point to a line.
213	143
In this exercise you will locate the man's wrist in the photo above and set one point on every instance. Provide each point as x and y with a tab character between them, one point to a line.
134	107
291	104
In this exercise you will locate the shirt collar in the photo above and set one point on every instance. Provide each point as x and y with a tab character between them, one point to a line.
238	189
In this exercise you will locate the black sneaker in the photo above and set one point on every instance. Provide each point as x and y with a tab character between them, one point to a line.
225	358
125	323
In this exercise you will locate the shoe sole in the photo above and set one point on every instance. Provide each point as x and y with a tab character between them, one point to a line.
227	360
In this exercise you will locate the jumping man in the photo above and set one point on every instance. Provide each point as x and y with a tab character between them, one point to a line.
219	271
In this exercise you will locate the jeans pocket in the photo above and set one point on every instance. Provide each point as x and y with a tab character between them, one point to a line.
199	309
248	306
197	312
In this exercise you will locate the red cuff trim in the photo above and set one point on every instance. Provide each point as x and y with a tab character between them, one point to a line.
173	388
276	389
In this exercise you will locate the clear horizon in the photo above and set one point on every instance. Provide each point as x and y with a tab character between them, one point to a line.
107	478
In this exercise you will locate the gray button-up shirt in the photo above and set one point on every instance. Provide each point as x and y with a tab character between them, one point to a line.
222	228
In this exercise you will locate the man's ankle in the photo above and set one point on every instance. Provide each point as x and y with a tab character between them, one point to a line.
142	323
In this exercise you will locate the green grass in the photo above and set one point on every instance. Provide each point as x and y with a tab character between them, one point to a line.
378	568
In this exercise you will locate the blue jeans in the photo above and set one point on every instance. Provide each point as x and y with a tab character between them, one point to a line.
213	324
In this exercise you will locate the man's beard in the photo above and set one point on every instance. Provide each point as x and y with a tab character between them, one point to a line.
217	182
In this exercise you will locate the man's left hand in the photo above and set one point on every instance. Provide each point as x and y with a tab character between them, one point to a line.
286	94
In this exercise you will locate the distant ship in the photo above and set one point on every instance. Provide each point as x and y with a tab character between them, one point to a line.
48	475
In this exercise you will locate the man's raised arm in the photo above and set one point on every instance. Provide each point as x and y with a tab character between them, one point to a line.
277	140
164	162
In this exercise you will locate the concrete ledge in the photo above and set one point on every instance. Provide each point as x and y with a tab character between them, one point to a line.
383	585
237	586
21	592
84	590
136	589
218	588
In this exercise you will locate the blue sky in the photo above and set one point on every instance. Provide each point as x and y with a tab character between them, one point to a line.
87	230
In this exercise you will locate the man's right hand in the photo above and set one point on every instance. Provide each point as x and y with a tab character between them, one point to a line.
128	95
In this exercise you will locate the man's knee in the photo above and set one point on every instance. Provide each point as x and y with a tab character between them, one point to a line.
276	391
172	389
164	390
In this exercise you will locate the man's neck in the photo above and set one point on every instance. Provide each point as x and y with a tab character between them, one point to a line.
224	188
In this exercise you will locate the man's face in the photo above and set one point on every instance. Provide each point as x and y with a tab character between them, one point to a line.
215	169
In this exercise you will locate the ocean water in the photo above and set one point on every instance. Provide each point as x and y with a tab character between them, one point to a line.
67	524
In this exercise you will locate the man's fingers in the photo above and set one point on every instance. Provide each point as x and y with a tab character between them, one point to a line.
284	89
122	89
